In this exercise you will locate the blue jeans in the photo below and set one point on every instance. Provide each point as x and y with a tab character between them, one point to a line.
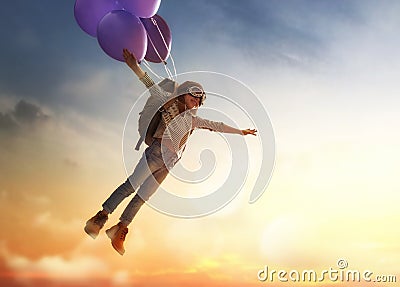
147	176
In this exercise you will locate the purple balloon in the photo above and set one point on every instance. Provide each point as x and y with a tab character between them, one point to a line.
158	39
141	8
88	13
118	30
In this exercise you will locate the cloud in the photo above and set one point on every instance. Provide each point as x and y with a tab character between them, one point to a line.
7	122
257	31
121	278
53	267
24	114
70	163
50	223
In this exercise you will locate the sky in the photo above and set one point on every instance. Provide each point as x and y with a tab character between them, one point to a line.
326	73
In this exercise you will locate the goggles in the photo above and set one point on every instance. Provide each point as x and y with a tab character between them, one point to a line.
197	92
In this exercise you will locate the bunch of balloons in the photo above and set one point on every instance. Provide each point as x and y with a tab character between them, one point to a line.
131	24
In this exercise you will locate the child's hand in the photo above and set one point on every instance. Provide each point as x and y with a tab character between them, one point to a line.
131	61
130	58
249	132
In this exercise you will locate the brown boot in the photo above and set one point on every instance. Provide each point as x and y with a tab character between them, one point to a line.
94	224
117	234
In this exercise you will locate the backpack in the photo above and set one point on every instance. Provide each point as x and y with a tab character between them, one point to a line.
150	116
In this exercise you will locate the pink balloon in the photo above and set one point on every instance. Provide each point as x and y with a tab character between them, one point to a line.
141	8
88	13
120	29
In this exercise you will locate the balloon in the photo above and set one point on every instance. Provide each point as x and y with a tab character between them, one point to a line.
118	30
88	13
159	39
141	8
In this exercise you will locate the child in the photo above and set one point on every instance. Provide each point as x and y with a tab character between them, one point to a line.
169	141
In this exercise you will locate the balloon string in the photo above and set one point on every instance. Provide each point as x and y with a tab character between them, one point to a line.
168	49
154	47
169	74
173	65
161	35
148	67
168	71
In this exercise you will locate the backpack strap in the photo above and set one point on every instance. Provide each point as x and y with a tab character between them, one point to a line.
139	143
167	85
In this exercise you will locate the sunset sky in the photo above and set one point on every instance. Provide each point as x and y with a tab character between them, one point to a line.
327	73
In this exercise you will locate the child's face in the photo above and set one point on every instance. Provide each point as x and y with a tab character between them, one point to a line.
191	102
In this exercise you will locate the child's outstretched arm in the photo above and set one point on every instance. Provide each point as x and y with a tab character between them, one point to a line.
231	130
131	61
154	89
201	123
